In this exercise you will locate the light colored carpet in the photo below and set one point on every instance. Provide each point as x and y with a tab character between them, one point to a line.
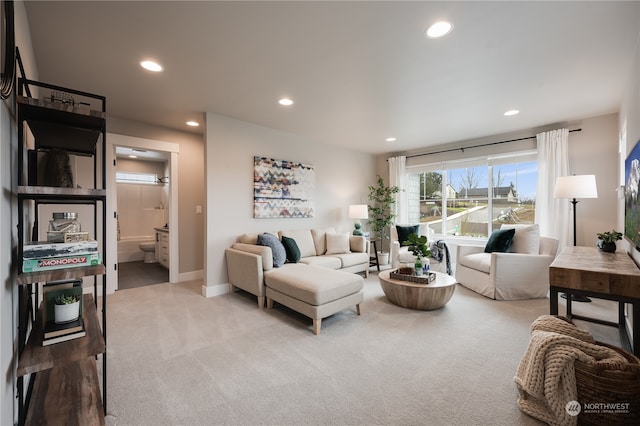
176	358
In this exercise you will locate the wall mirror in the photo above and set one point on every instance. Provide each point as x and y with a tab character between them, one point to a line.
8	45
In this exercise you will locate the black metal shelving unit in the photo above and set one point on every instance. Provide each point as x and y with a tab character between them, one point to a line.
74	121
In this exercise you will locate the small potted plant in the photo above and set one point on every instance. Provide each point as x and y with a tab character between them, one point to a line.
418	247
66	308
607	240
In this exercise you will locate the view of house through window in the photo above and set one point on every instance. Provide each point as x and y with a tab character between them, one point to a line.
476	197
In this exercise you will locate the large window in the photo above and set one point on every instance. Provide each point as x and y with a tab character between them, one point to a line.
475	196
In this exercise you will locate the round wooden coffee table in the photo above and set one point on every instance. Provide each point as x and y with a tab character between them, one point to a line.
411	295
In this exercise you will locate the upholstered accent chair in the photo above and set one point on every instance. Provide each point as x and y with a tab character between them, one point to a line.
518	271
399	253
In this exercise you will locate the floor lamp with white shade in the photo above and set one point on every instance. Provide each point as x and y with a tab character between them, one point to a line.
573	187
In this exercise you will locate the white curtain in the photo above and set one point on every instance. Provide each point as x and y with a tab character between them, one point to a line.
552	214
398	177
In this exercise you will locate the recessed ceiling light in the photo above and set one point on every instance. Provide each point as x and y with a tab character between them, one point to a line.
439	29
193	123
151	66
390	139
511	112
285	102
133	156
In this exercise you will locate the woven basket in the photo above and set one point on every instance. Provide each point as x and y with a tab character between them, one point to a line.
609	383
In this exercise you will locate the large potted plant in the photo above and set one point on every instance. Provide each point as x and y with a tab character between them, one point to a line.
382	198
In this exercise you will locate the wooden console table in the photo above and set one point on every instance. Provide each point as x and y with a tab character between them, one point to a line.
588	271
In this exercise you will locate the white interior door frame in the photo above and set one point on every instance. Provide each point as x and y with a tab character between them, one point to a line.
114	140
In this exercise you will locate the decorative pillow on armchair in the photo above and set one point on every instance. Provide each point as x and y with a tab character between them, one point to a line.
526	239
499	240
405	231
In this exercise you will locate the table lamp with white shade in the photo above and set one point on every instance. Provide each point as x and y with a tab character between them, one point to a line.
358	212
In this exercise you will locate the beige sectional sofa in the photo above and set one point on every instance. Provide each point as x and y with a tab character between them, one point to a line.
249	263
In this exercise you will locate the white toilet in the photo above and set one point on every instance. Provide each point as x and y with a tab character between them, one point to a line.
149	250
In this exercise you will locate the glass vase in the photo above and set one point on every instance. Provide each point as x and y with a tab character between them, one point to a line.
418	266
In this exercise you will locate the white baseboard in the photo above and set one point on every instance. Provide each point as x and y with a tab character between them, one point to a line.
215	290
191	276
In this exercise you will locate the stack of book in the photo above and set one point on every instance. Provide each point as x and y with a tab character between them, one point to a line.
56	332
43	256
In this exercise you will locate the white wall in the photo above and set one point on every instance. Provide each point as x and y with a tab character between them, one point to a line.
629	122
190	186
7	241
630	117
594	150
342	178
8	235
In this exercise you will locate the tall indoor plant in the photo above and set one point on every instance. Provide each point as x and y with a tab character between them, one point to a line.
382	198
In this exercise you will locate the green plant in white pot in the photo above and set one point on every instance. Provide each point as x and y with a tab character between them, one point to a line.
66	308
382	198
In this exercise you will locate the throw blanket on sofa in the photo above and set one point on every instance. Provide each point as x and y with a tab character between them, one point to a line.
440	252
546	378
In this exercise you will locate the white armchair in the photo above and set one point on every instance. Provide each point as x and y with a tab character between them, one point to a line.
521	273
398	253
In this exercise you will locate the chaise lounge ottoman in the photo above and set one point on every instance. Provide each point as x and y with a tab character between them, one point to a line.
314	291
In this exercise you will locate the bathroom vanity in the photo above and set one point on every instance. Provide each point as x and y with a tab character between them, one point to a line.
162	246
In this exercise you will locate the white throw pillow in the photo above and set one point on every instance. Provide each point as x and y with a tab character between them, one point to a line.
525	240
304	240
337	243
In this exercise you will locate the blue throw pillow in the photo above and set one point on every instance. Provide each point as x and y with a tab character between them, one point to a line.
292	249
405	231
500	240
277	249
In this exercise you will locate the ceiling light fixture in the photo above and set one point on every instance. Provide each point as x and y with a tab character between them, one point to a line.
438	29
151	66
511	112
133	156
193	123
390	139
285	102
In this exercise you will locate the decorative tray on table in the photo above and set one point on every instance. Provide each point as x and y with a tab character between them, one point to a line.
424	279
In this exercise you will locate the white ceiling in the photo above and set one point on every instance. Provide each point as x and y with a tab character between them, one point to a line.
358	72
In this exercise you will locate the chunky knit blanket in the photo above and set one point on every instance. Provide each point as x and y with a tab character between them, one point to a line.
546	378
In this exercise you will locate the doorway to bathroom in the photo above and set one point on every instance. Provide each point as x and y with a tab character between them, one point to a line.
142	196
142	180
